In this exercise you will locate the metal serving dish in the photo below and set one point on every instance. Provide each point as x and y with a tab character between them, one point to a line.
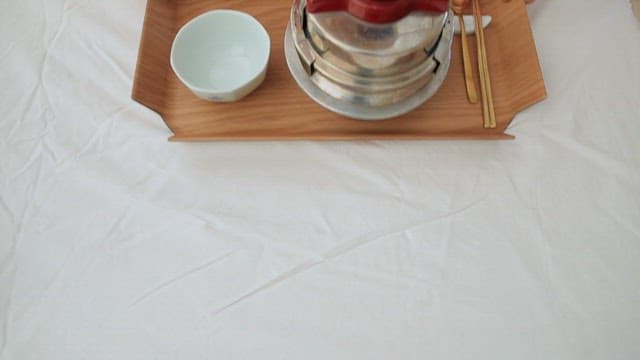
366	70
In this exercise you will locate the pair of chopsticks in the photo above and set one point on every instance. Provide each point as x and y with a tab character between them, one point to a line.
488	107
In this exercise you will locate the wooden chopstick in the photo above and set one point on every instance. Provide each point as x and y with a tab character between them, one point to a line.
483	82
488	106
472	92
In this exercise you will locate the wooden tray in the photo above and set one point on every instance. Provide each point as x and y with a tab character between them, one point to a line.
279	110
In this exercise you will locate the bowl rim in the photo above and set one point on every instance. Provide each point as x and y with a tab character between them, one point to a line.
228	12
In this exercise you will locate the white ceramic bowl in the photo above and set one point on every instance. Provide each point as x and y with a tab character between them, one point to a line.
221	55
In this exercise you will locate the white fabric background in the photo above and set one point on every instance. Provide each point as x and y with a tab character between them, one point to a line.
115	244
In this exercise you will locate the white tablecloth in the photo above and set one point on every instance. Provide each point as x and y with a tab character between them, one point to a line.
115	244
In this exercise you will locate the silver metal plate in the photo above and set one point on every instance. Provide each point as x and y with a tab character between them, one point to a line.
363	112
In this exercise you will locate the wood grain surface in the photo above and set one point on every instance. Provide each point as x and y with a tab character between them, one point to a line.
279	110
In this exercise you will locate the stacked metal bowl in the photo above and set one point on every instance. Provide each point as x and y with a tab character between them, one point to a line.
369	59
